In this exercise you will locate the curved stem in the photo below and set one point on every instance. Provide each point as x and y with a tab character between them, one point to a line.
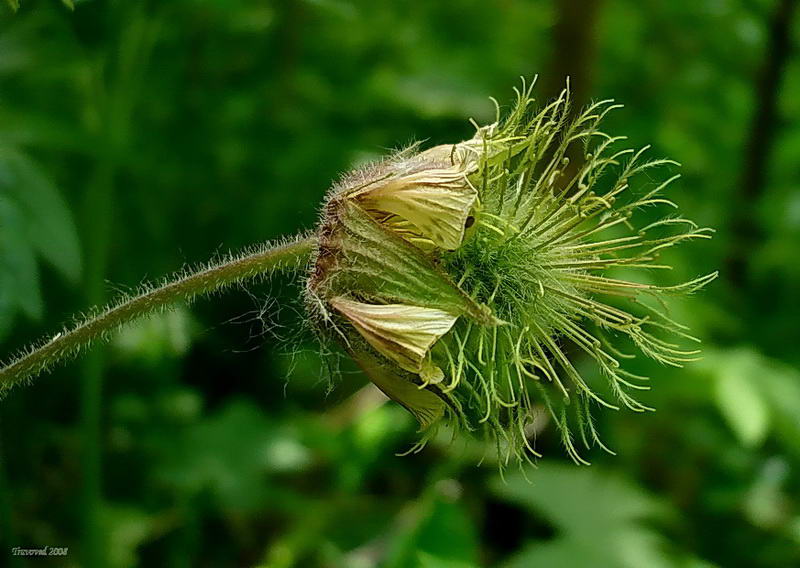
183	286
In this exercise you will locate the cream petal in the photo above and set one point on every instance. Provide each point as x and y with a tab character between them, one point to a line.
408	231
437	202
400	332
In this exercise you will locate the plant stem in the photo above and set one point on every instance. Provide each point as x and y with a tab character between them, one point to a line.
114	93
98	209
184	286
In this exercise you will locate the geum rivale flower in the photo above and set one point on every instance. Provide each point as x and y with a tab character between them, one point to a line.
466	278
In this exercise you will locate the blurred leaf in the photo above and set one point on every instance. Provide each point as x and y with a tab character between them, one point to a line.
562	552
781	388
580	498
33	220
438	525
181	405
600	518
449	532
739	398
794	530
24	128
767	503
230	454
430	561
6	299
436	96
48	223
19	276
373	430
127	528
753	393
162	335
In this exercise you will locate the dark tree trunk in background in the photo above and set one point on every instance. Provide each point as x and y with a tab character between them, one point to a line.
574	43
745	230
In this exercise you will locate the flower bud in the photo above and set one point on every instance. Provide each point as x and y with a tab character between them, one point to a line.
457	276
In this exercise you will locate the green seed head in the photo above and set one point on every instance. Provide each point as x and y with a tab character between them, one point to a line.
465	278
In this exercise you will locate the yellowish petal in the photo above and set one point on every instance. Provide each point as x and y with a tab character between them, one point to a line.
401	333
406	230
436	201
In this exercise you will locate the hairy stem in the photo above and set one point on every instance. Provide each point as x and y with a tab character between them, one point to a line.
184	286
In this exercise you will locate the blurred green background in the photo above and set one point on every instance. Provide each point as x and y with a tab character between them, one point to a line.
136	137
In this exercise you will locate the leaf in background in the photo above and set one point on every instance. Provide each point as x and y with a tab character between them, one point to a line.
755	393
19	277
127	527
768	503
230	452
600	518
435	527
49	225
26	128
158	337
562	552
738	394
8	287
781	386
6	301
436	96
430	561
449	532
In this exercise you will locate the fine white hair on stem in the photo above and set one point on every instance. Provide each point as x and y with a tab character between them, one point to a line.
100	324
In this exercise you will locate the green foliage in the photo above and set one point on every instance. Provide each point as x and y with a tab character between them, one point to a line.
600	519
739	396
755	395
226	454
13	5
36	222
159	336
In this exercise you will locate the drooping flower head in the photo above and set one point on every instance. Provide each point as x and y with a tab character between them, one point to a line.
465	279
